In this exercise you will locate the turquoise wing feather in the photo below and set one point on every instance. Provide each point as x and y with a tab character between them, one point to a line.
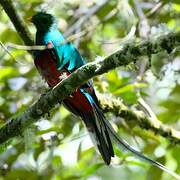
67	53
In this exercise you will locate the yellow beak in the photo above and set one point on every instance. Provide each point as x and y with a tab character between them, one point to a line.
29	19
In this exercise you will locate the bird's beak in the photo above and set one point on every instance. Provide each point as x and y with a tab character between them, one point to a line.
29	19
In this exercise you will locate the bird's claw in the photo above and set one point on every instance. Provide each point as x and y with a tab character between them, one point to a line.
49	45
63	76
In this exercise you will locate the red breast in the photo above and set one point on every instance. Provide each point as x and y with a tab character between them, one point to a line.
46	66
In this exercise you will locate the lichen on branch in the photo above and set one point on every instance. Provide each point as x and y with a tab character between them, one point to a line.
128	54
115	106
121	57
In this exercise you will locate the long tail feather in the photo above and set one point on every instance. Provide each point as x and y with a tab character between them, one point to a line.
121	142
94	121
104	132
99	135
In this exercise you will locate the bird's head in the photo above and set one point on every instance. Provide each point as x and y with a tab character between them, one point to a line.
42	21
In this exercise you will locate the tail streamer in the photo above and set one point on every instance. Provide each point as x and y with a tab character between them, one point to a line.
123	144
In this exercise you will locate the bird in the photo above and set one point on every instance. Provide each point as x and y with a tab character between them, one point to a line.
57	62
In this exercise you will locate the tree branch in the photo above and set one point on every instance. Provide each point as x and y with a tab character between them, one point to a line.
84	18
18	23
115	106
122	57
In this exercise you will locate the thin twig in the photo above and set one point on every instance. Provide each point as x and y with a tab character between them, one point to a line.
69	39
83	19
121	41
144	27
41	47
25	48
122	57
115	106
147	108
17	21
6	50
155	9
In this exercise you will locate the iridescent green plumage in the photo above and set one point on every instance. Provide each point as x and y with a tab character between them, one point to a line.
65	58
47	31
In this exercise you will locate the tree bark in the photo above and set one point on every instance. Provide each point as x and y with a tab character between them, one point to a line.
129	53
122	57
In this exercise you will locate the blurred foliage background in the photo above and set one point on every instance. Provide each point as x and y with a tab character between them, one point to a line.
57	146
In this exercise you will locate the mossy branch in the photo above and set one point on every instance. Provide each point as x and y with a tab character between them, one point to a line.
121	57
18	23
116	106
129	53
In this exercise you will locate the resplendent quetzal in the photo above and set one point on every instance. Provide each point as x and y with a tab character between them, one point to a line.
61	60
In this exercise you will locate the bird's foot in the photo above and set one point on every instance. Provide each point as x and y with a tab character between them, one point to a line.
63	76
49	45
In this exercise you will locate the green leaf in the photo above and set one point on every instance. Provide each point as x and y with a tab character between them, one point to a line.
130	87
92	169
56	161
8	72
